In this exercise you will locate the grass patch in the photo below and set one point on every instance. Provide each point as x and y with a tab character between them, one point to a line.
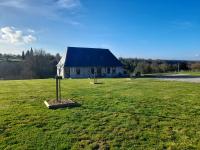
118	114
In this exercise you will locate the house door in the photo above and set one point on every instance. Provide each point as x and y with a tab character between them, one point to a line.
99	71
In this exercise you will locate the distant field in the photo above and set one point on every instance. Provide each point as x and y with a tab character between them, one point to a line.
118	114
3	59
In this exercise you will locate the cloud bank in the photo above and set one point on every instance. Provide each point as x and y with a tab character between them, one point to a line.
10	35
68	3
52	4
61	10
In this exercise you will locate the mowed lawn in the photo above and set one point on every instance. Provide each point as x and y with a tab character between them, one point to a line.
118	114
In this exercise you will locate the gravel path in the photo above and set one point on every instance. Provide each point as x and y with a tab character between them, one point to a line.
195	80
180	77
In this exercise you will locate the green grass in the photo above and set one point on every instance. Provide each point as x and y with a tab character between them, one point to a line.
118	114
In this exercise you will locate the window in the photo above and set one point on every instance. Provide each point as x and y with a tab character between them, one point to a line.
78	71
108	70
73	69
113	70
92	70
99	71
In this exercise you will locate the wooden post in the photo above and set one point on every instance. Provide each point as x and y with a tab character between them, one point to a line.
57	88
59	91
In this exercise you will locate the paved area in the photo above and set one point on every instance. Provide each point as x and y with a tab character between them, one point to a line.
180	77
195	80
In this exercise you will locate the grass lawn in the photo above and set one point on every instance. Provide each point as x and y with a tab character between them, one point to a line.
118	114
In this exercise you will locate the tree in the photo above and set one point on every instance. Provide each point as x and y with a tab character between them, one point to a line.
155	67
27	53
23	55
195	66
36	64
31	52
164	67
58	57
183	66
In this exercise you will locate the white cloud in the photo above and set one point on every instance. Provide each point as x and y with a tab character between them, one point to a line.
29	39
30	30
10	35
197	55
61	10
68	3
13	3
183	24
23	4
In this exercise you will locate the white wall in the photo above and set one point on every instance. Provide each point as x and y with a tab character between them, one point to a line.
61	72
85	72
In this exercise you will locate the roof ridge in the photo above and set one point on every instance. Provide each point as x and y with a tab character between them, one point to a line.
87	48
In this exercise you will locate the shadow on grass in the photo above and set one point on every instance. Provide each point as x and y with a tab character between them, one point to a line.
62	104
96	82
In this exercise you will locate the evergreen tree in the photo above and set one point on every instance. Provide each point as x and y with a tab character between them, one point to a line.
27	53
23	55
31	52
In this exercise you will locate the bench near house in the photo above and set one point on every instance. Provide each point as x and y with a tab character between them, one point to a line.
89	62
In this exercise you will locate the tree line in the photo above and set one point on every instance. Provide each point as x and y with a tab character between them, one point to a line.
37	64
149	66
31	64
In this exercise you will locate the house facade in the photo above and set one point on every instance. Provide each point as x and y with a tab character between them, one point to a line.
88	63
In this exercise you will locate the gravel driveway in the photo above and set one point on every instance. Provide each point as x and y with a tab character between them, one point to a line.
195	80
180	77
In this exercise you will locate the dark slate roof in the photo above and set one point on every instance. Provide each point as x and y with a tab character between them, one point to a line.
90	57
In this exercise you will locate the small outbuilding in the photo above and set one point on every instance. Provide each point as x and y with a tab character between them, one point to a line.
89	62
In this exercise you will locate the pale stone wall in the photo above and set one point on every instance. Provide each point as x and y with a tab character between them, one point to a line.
85	72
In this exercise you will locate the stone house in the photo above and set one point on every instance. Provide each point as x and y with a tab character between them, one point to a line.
88	63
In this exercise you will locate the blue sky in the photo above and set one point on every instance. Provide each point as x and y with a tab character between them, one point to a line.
165	29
